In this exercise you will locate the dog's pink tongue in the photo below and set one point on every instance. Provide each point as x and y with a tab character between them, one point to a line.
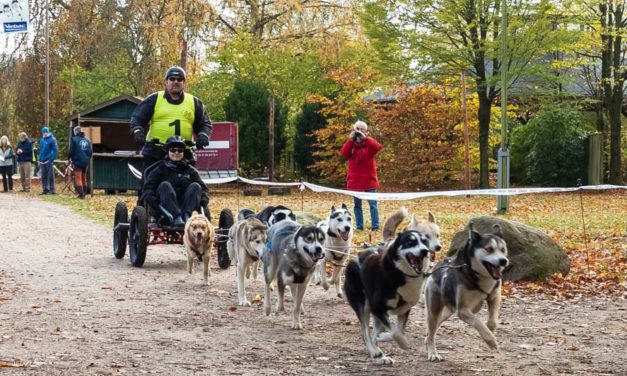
495	271
344	235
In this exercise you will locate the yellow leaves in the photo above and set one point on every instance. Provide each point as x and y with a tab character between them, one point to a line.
9	364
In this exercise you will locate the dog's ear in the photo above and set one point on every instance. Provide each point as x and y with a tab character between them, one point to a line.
431	217
344	206
496	230
413	223
473	236
332	209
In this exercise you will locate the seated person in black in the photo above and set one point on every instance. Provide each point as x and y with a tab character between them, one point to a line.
173	187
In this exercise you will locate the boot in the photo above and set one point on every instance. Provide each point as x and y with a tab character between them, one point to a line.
79	192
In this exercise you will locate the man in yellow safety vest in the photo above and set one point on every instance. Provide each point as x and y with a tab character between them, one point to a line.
170	112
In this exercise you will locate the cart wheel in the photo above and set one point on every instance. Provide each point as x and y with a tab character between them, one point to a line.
138	236
120	236
224	224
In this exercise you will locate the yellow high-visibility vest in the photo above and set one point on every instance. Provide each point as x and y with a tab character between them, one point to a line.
172	119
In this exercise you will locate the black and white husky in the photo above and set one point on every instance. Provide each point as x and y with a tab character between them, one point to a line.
461	284
387	280
268	215
339	230
291	258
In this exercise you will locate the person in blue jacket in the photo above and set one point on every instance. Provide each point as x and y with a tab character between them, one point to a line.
80	155
24	153
48	151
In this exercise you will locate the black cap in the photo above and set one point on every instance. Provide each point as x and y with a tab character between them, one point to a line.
175	72
175	142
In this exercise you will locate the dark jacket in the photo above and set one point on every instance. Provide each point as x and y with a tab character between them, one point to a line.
48	148
179	174
143	114
27	151
80	151
362	168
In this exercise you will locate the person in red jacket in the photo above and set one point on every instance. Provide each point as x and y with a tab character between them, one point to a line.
360	151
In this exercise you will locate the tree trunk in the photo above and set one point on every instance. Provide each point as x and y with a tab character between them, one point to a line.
183	52
615	132
485	108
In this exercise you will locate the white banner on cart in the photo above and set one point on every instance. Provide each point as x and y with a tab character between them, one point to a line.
14	16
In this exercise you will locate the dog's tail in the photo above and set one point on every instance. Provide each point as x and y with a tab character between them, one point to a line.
230	244
354	288
392	223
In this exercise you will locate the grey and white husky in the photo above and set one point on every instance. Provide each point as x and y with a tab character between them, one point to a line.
339	230
247	241
461	284
387	281
291	258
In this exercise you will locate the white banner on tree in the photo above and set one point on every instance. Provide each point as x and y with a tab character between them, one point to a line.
14	16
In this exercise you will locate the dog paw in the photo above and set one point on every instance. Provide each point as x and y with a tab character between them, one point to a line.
340	295
297	325
267	309
491	325
433	356
244	303
383	360
492	344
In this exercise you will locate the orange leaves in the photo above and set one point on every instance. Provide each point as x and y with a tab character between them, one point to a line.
418	134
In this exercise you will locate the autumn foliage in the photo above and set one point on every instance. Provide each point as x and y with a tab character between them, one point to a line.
419	137
341	108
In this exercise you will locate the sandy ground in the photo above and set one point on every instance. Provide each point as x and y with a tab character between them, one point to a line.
68	307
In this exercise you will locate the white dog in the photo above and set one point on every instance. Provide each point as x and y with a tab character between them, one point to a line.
339	230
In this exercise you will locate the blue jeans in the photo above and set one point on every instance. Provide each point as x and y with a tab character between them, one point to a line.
359	215
47	177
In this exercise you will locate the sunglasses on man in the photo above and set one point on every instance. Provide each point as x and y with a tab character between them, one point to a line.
175	150
177	79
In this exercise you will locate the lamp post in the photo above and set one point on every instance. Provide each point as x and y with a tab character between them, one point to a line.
47	73
502	202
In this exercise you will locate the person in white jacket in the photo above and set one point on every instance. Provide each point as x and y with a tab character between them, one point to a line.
6	163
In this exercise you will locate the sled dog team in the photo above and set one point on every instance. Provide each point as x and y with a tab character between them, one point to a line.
378	281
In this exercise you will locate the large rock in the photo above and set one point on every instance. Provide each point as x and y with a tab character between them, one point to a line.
533	255
306	218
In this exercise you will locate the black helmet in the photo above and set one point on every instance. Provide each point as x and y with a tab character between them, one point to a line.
175	71
175	142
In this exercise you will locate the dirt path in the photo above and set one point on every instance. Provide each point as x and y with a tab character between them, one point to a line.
68	307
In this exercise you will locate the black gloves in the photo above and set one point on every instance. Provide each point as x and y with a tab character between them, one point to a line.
139	136
202	140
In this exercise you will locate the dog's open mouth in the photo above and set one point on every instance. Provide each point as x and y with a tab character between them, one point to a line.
344	235
198	237
495	271
415	262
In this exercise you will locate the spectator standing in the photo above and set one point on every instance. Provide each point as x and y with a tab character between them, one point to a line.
24	153
80	155
48	151
6	163
360	151
171	112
